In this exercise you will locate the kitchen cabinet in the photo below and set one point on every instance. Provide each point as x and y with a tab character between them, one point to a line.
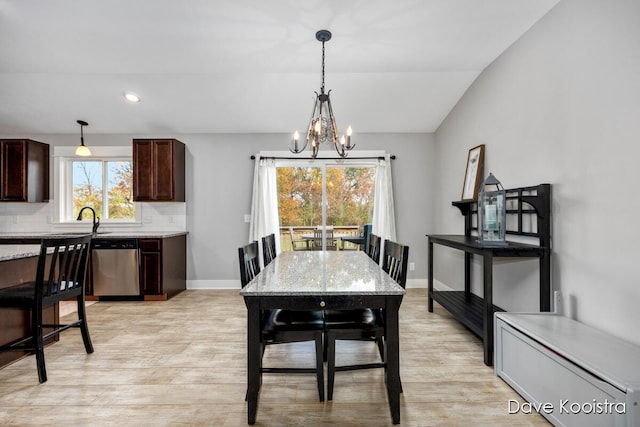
163	271
15	323
24	171
158	170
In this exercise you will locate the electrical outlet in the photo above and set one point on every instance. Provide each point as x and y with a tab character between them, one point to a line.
147	220
412	266
247	218
49	219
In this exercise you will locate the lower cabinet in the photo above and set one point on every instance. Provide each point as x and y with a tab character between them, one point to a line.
163	271
151	266
16	323
568	372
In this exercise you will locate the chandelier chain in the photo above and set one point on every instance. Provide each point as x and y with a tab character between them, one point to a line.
322	87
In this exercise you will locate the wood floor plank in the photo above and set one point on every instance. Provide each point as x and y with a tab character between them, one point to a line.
182	362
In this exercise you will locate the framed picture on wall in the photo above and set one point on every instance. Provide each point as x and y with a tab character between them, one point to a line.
473	173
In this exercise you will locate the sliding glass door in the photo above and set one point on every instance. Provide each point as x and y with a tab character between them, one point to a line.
321	201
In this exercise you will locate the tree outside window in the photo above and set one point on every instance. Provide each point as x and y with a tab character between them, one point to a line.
350	196
91	177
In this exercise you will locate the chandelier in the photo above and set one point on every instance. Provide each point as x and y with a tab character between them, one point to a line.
322	126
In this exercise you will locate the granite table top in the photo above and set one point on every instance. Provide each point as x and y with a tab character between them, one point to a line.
309	273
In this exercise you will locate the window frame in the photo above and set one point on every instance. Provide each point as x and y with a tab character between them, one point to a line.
65	158
323	164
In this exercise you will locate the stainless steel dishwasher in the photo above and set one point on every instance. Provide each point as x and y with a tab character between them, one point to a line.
115	264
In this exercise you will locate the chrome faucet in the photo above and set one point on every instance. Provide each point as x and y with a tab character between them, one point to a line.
96	220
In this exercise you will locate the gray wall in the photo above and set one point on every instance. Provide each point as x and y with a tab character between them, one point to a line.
219	196
560	106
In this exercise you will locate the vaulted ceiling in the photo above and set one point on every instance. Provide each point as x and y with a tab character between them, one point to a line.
202	66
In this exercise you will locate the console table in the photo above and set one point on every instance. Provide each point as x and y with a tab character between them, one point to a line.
528	215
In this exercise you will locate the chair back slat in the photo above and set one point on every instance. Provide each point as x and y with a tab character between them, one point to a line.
62	268
249	260
394	261
268	248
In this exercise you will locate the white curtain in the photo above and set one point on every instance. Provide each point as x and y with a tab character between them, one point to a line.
264	202
384	218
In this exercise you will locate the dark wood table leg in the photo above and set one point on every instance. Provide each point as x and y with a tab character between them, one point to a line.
393	357
254	358
545	281
430	277
487	321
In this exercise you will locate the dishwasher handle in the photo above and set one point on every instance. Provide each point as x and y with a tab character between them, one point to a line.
114	244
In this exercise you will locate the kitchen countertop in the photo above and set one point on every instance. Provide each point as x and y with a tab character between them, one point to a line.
9	252
27	244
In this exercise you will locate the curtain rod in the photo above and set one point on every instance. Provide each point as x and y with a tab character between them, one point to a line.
253	157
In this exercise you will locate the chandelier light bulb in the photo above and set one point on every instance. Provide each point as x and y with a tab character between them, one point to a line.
296	137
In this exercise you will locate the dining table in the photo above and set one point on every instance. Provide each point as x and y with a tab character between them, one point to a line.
317	280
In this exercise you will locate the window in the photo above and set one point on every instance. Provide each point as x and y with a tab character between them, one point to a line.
104	184
349	192
335	195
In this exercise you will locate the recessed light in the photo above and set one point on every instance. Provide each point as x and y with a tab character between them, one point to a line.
131	97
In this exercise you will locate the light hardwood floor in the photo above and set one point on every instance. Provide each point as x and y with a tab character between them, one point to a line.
183	363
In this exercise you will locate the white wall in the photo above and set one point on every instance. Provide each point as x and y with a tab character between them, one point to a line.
562	106
219	181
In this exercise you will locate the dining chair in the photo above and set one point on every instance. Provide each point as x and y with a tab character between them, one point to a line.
394	261
298	244
249	259
317	239
373	248
363	324
285	326
268	248
60	275
332	244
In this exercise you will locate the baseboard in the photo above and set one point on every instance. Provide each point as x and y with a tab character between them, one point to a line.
417	283
213	284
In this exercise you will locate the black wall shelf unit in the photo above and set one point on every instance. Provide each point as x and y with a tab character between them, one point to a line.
528	214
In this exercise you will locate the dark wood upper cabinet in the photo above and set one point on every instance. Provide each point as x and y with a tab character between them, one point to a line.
158	170
24	171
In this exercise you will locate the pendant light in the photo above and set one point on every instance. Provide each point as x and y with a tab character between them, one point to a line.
82	150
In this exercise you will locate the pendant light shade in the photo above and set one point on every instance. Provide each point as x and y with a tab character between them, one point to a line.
82	150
